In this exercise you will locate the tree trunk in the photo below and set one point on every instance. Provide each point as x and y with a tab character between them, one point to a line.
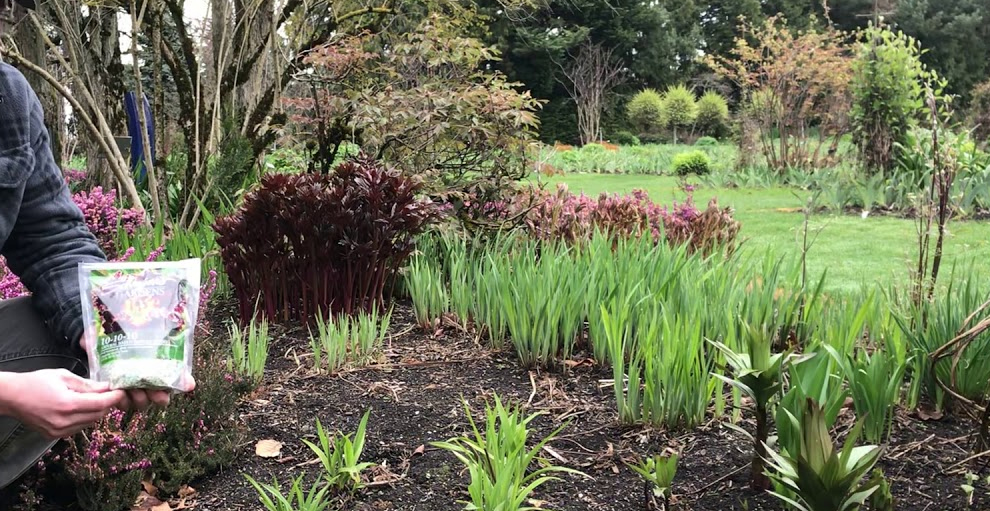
32	46
104	74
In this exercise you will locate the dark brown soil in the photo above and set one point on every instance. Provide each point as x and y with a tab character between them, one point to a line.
415	392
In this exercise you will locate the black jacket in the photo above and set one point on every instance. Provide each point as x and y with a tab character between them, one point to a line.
42	232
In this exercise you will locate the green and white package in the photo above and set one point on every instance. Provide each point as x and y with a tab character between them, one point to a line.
139	320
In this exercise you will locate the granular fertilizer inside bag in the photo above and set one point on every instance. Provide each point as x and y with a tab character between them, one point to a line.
139	322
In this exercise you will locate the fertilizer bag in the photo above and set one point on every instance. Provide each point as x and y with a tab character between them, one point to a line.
139	320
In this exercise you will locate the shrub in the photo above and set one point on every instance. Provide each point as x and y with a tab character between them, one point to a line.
103	217
979	112
706	142
679	108
887	94
625	138
564	216
311	244
692	162
805	76
645	111
194	436
592	149
713	114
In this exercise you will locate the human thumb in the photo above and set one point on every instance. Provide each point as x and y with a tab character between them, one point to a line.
79	384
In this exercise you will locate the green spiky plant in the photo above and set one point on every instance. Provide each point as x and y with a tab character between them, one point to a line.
498	461
658	474
820	477
756	372
340	456
271	497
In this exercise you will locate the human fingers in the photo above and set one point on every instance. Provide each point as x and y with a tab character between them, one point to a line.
159	397
70	425
79	384
138	399
84	403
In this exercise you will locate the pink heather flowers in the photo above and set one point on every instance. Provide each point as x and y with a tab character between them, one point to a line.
107	451
103	217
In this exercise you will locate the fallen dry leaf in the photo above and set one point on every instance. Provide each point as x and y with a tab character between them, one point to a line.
162	507
149	488
929	414
186	491
146	502
419	450
268	448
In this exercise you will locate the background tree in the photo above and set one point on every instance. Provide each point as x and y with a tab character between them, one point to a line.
979	112
956	34
888	94
713	114
678	108
641	35
645	111
590	76
801	80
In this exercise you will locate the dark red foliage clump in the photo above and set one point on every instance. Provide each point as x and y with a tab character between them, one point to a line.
304	244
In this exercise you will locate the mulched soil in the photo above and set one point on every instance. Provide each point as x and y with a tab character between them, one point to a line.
415	394
415	390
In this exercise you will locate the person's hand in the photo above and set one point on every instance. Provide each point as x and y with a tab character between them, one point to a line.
142	399
56	402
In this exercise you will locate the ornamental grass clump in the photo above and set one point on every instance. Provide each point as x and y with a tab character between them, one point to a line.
344	340
306	244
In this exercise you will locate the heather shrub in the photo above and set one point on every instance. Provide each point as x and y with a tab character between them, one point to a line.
104	218
102	468
679	108
645	112
692	162
309	244
105	466
197	433
713	114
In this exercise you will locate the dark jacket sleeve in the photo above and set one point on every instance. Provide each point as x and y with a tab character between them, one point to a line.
45	233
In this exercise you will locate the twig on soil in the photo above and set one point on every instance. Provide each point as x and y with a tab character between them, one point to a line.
913	446
532	381
401	365
719	480
963	462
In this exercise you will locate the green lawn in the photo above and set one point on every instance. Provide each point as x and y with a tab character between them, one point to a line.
854	250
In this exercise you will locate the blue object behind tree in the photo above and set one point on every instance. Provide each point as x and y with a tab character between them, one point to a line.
134	130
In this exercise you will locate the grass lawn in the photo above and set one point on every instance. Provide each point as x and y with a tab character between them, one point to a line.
854	250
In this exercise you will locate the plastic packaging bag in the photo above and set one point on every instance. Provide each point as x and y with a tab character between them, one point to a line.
139	320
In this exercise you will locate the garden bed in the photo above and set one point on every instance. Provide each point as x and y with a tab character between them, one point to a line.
414	395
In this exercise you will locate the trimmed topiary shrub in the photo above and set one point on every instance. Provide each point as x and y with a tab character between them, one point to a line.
713	115
645	111
692	162
679	109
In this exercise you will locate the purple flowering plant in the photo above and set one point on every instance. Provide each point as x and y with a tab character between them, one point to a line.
564	216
